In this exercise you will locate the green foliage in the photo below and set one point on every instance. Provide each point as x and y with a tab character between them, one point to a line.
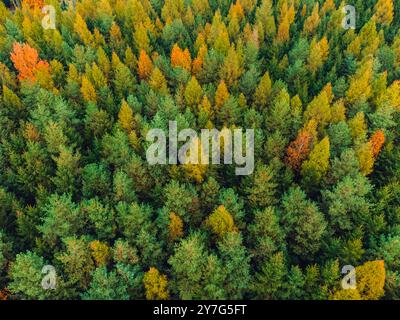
196	274
61	218
304	224
106	286
26	276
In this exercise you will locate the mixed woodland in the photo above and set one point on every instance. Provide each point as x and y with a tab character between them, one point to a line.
76	190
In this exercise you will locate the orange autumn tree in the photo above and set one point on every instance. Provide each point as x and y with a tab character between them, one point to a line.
4	294
377	140
198	61
34	3
181	58
299	149
145	66
26	61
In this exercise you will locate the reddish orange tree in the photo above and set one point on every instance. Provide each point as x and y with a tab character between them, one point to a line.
5	294
377	140
299	149
26	61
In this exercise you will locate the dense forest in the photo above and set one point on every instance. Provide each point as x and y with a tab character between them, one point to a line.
76	190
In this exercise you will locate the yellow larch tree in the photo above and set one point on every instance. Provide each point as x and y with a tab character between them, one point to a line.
312	22
358	127
100	252
384	12
88	91
221	95
360	84
365	155
125	117
193	92
370	279
156	285
196	169
158	82
319	52
263	91
81	29
231	69
141	39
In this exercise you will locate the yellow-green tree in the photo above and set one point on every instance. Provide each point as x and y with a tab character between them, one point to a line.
141	39
220	222
158	82
231	69
365	155
317	165
319	52
312	22
196	170
80	27
358	127
193	92
88	91
319	109
173	9
360	84
10	99
263	91
265	19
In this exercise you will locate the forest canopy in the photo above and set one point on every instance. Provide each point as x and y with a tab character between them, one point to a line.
76	190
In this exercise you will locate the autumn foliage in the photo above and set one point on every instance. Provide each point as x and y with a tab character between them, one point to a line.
4	294
220	221
181	58
145	66
80	104
299	149
34	3
377	140
156	285
26	60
